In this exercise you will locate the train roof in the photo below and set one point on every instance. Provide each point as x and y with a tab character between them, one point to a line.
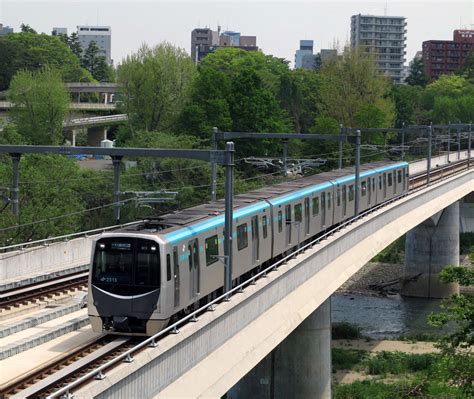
176	220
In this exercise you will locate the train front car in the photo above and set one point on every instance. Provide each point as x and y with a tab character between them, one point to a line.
125	285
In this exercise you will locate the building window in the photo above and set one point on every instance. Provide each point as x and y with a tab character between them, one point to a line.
242	237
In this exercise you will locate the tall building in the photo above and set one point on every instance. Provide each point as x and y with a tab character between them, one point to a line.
206	40
447	56
5	30
304	57
101	35
385	38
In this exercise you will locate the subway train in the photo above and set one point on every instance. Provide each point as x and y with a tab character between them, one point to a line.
145	276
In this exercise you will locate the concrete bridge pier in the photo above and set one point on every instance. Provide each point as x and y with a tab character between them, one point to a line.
430	247
300	367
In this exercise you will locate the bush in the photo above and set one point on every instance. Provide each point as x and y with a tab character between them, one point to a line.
399	363
345	330
344	359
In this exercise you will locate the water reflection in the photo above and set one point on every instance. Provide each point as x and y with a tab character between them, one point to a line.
388	317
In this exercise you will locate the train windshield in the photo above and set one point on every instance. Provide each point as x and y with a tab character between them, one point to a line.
126	261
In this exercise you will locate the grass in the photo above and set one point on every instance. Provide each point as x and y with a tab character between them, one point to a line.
418	337
347	359
399	363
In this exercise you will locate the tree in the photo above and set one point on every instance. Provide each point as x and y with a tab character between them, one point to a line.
95	63
456	347
156	82
40	104
408	110
34	51
27	29
351	83
417	75
75	45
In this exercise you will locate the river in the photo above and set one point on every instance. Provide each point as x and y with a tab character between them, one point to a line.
384	317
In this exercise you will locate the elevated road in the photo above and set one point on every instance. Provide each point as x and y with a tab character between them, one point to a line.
6	105
107	120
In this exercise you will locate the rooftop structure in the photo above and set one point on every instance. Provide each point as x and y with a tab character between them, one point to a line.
5	30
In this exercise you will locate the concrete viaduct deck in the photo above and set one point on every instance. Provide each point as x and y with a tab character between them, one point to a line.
6	105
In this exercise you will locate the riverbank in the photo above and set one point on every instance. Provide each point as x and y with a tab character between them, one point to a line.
384	279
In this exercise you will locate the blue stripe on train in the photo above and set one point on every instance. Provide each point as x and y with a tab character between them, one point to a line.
198	228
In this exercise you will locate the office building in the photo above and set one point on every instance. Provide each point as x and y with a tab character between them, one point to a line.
206	40
59	31
385	38
304	57
101	35
442	57
5	30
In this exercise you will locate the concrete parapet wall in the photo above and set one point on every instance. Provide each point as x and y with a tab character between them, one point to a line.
208	357
16	265
420	166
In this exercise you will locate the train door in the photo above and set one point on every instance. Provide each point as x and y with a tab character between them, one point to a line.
288	224
194	269
323	209
255	240
306	215
176	276
369	192
344	200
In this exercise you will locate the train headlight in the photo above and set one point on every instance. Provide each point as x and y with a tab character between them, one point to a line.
102	246
153	249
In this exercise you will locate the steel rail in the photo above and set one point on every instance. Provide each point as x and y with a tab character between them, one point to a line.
152	341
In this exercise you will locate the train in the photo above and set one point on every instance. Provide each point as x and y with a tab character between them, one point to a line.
147	275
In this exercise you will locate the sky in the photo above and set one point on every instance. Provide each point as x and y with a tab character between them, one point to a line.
278	25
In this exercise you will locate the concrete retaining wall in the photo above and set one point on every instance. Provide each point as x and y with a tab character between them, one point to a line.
40	260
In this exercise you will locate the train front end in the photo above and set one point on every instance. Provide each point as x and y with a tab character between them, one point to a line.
124	295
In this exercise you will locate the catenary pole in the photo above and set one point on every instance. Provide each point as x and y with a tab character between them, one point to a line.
357	173
229	199
214	166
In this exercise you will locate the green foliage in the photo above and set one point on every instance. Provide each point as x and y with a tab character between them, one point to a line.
399	362
40	105
393	253
345	330
75	45
417	75
155	86
353	91
237	90
10	135
27	29
346	359
96	64
33	52
456	346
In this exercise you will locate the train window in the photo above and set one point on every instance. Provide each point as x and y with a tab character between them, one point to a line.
265	226
351	192
338	197
390	180
384	180
168	267
212	250
399	175
280	221
380	182
329	200
363	189
315	206
242	237
373	185
176	276
113	262
147	272
288	214
298	213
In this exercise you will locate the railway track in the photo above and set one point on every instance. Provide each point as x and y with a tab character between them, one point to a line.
16	297
48	378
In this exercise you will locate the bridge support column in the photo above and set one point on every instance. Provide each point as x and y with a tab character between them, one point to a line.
300	367
430	247
74	134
